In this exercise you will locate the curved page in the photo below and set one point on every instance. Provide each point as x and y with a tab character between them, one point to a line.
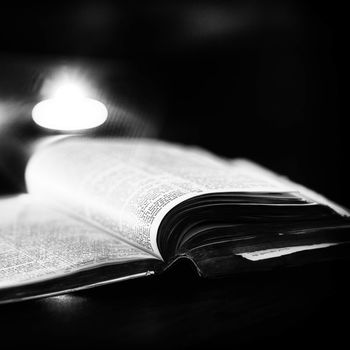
127	186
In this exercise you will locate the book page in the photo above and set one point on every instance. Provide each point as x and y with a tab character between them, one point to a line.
278	252
127	186
37	243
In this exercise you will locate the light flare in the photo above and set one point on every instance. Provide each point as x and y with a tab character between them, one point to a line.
69	108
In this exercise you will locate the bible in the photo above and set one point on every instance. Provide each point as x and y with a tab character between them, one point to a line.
99	211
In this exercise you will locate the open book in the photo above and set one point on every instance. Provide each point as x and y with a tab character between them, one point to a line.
103	210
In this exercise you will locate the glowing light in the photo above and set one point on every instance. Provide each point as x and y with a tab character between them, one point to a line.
69	113
67	104
68	90
67	83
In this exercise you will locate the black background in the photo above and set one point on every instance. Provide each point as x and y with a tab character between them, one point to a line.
255	79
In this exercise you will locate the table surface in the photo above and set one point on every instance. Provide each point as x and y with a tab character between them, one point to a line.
305	305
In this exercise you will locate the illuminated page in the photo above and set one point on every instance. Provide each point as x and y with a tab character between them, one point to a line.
38	244
127	186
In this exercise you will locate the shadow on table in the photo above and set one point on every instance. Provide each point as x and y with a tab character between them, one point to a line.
293	306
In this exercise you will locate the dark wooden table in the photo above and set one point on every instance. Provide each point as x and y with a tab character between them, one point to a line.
297	307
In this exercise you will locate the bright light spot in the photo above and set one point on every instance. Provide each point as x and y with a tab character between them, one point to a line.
67	104
68	90
69	112
67	83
